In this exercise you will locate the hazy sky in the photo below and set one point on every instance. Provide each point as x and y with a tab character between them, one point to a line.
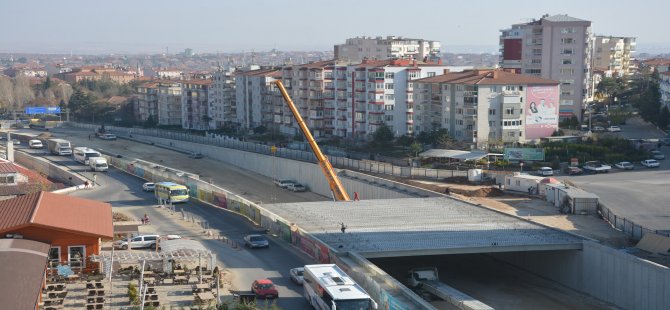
148	26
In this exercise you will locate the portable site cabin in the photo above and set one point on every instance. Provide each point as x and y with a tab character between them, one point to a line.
520	182
571	199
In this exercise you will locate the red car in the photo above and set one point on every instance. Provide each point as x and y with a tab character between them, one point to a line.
264	289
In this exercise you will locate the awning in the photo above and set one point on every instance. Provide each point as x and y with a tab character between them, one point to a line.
453	154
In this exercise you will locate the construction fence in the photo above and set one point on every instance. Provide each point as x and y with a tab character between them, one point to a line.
630	228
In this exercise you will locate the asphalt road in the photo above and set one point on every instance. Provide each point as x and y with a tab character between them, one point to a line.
124	193
641	195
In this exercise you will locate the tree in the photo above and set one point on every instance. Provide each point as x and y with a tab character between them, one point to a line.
415	148
46	84
23	93
610	87
569	123
382	137
649	103
6	92
664	118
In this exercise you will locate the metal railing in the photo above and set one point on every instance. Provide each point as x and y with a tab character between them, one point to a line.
628	227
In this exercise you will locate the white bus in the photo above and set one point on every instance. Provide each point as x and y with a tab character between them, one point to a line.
326	286
82	154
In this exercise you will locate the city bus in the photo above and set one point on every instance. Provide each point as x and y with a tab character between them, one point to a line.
82	154
326	286
171	192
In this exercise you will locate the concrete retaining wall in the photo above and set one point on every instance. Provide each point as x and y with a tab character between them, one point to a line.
45	167
602	272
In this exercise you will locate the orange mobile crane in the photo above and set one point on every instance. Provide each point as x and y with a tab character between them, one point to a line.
339	193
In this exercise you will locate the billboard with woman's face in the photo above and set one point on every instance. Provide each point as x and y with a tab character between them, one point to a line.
541	111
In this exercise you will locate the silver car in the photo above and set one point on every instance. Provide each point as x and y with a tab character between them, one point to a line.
256	241
144	241
297	275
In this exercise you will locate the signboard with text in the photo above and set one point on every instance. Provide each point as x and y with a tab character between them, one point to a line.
524	154
42	110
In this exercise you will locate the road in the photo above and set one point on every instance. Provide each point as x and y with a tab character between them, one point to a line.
124	193
640	195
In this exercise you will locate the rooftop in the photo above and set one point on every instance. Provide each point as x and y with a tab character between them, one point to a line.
563	18
487	77
382	228
22	264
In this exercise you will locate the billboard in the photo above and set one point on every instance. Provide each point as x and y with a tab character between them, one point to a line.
541	111
525	154
42	110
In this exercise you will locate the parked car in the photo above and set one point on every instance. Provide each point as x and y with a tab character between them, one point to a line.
596	167
283	183
148	187
598	129
650	163
625	165
656	154
108	136
256	241
545	171
297	275
144	241
614	129
264	289
195	155
16	142
575	170
296	187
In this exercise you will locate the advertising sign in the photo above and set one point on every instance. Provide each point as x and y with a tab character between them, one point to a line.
541	111
524	154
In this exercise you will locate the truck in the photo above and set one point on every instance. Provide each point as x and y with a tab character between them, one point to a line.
426	282
59	147
596	167
98	164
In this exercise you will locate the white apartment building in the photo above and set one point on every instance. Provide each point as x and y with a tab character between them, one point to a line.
168	73
485	107
664	87
195	104
222	98
612	55
169	103
354	50
555	47
146	101
254	97
352	101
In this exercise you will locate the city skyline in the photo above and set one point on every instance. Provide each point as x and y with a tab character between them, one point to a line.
83	27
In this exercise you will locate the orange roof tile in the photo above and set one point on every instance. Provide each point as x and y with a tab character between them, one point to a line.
60	212
488	77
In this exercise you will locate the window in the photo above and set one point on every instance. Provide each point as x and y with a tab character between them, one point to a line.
566	92
567	71
511	134
431	74
567	30
389	75
536	61
389	97
388	86
520	88
54	257
509	111
567	41
388	118
7	179
77	256
492	123
534	71
492	111
567	61
388	107
567	51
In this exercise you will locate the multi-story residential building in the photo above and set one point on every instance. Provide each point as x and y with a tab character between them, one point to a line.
169	103
254	97
351	101
664	87
554	47
222	98
485	107
354	50
195	104
613	54
96	73
147	101
657	64
168	73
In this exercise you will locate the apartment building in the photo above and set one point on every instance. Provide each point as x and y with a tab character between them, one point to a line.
354	50
168	73
612	55
195	104
664	88
169	103
254	97
96	73
147	101
222	109
485	107
555	47
337	99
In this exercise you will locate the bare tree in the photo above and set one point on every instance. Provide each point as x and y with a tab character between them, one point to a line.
63	92
6	92
23	93
49	95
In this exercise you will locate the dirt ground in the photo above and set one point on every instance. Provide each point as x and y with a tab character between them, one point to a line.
534	209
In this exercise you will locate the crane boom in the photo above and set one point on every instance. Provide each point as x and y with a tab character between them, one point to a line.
339	193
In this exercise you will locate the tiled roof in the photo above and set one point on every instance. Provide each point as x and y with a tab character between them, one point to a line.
7	167
197	82
22	265
488	77
260	72
59	212
656	61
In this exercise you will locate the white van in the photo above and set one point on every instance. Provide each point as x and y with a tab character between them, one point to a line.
98	164
35	144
